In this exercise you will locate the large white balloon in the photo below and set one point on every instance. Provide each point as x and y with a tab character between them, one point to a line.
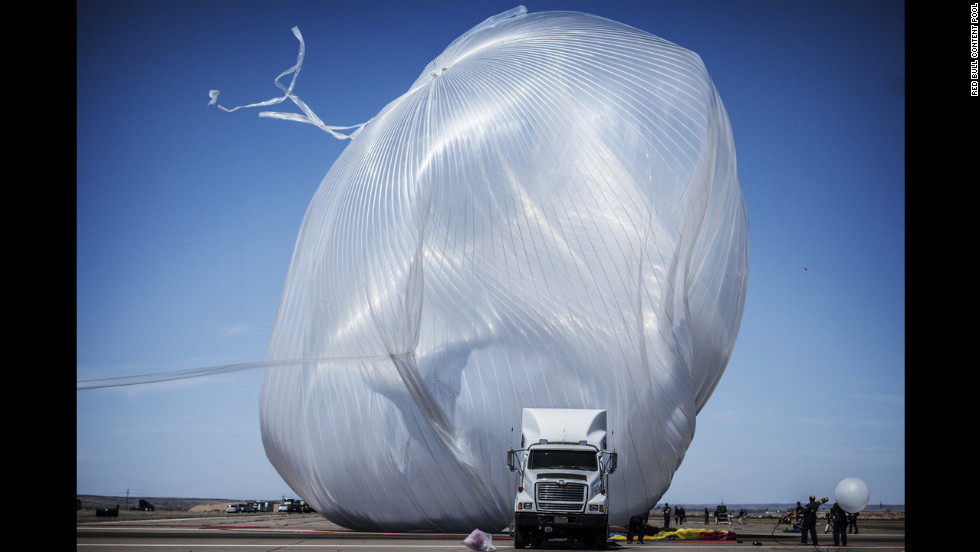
852	494
550	216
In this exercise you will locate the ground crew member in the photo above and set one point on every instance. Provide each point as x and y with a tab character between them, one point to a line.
809	524
839	518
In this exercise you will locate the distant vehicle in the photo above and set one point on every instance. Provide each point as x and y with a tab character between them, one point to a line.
295	505
107	512
235	508
146	506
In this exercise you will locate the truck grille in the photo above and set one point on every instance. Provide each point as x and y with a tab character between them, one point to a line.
553	497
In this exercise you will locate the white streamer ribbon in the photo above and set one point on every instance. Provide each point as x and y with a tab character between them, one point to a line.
309	116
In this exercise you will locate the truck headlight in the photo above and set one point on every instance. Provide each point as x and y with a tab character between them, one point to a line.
524	505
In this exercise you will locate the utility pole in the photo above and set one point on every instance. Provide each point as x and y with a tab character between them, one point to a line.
127	499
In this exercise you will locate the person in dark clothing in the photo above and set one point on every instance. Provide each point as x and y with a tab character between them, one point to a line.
666	512
839	519
636	528
809	524
852	522
799	515
706	514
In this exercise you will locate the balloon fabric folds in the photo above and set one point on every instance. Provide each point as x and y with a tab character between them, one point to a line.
550	216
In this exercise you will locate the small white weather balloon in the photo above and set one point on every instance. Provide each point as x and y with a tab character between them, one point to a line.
852	494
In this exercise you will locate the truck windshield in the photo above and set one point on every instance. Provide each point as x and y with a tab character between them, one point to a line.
563	459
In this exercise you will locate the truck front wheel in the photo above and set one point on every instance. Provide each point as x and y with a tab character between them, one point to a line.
520	538
601	538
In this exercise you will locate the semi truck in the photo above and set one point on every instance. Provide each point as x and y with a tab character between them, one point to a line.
563	466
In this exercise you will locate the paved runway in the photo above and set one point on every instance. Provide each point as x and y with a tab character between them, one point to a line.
309	533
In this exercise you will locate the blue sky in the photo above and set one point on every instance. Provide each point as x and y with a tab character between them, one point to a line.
187	217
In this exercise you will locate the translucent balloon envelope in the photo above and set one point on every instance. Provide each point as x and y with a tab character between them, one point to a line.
852	494
549	217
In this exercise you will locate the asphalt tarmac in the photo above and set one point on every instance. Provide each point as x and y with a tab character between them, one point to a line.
308	533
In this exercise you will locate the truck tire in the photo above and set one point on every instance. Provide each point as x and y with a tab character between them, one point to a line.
520	539
601	538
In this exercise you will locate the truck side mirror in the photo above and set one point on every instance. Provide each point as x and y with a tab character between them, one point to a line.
612	462
510	460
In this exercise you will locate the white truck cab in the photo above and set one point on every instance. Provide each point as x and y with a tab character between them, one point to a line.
563	464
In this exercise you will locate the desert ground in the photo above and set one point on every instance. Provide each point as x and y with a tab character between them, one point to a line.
757	521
